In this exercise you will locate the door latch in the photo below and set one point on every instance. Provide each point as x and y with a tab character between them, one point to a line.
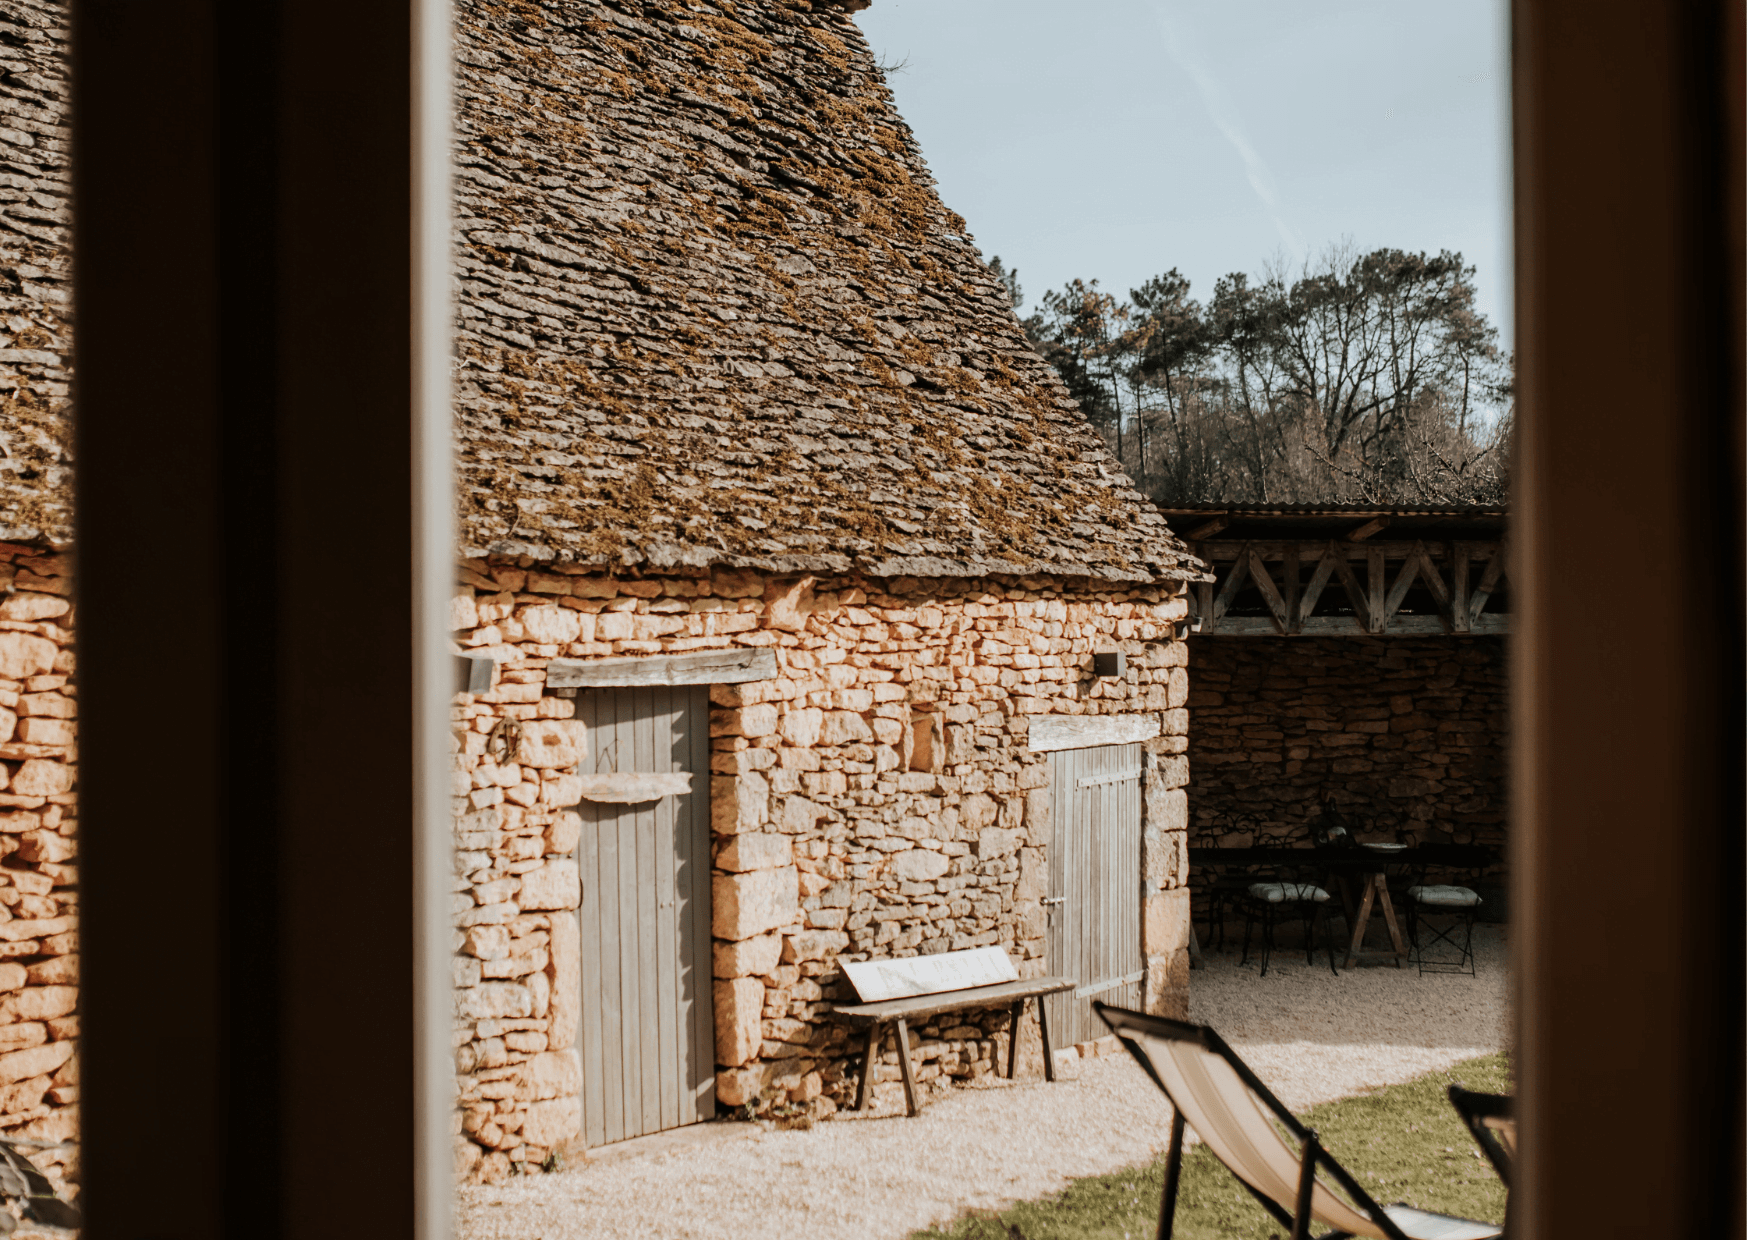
1053	900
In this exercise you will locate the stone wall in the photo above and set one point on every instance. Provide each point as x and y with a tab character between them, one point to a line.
1398	733
39	962
875	798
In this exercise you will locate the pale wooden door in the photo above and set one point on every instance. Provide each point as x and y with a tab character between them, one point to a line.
647	1043
1094	933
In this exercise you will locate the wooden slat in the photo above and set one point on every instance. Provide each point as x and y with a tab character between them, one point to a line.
665	724
1363	532
1489	579
1356	598
590	940
919	1006
1290	586
700	1059
649	1083
1375	614
703	667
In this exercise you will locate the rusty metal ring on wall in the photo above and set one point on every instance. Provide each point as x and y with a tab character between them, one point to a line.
505	736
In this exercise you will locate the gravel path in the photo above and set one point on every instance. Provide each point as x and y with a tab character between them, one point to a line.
1311	1036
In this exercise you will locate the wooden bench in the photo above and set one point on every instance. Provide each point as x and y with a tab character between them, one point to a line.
899	1012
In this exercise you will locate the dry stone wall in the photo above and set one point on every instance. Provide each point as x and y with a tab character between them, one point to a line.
1398	733
876	797
39	961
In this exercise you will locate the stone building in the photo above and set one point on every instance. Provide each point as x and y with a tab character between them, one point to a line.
784	562
1353	658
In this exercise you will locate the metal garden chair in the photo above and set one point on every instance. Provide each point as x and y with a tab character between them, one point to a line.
1265	901
1273	1155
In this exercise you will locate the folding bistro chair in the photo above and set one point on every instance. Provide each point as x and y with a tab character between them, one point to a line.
1273	1155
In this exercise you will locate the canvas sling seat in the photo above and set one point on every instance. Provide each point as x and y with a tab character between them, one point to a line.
1444	897
1261	1142
1280	893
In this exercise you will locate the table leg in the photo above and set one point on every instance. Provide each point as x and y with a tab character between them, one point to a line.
865	1091
1044	1036
1359	925
910	1101
1014	1037
1390	921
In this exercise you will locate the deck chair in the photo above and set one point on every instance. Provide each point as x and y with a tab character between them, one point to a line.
1492	1122
1273	1155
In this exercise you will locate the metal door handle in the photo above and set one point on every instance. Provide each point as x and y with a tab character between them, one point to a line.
1053	900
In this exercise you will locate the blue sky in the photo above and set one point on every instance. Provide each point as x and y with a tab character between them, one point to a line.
1119	138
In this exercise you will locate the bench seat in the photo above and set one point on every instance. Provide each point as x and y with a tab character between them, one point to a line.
899	1012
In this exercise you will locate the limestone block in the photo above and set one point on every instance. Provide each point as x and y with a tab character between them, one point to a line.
1165	858
563	791
754	957
565	969
996	842
748	721
845	727
1165	922
23	655
1033	919
552	1123
549	625
739	1003
487	942
539	991
31	607
813	945
920	865
51	704
798	815
788	604
40	777
487	1001
1166	809
739	1086
752	903
552	743
1177	685
38	1003
1169	771
565	832
22	1065
1166	989
556	885
801	728
1032	875
13	975
1038	817
550	1074
755	851
739	802
35	731
977	811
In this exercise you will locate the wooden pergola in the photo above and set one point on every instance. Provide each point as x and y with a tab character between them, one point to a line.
1332	571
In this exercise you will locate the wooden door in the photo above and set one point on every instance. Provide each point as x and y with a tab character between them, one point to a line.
1094	931
647	1041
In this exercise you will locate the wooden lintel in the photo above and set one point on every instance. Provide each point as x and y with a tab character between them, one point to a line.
1272	549
703	667
1363	532
1052	732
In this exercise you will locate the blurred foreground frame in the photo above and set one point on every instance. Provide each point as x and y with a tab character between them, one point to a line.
264	535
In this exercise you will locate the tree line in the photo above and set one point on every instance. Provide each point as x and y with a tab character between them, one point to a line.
1359	378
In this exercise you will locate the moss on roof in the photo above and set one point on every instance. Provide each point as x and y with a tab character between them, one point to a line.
713	310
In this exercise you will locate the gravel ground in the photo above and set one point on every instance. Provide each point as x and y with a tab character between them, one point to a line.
1310	1036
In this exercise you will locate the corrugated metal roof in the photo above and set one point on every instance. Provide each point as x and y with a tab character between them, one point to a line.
1473	512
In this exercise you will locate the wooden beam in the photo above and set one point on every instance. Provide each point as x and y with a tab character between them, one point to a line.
1205	620
1290	584
1459	609
1356	597
1272	549
1399	588
1325	566
1489	579
1208	528
1265	584
1493	624
1375	615
1363	532
1229	587
705	667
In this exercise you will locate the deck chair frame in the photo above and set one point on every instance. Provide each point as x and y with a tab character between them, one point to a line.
1313	1157
1477	1109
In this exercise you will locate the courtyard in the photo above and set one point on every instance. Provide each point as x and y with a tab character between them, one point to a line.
1311	1036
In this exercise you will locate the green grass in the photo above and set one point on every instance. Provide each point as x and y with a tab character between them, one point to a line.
1403	1143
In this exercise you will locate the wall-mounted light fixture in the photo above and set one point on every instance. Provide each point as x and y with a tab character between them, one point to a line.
1110	663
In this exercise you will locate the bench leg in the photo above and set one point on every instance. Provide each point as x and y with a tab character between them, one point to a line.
1044	1034
865	1091
1019	1015
910	1101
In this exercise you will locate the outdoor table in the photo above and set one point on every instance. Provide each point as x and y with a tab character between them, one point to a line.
1369	866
